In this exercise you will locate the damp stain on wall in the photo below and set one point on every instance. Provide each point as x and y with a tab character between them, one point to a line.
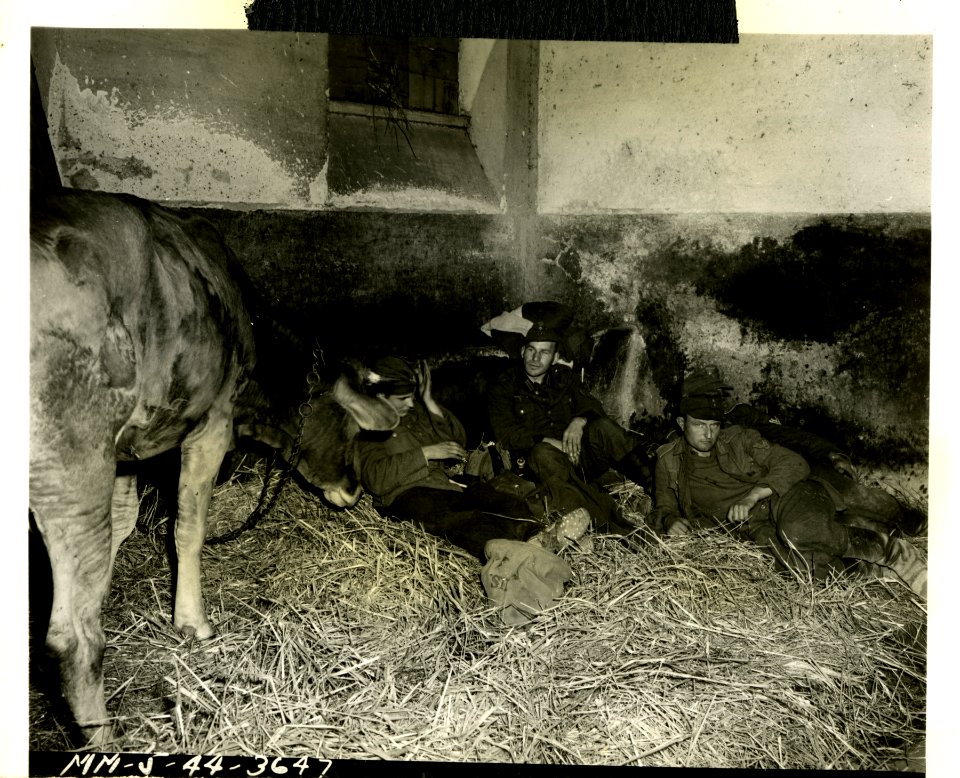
817	319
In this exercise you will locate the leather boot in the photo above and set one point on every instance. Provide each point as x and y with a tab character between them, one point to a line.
867	544
897	555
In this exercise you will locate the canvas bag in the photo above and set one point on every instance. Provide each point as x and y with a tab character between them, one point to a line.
522	579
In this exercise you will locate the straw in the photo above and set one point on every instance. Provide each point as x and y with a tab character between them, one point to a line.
344	635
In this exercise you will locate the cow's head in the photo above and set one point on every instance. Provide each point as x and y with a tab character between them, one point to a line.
331	422
329	440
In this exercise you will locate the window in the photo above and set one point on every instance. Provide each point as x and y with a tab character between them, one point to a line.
418	74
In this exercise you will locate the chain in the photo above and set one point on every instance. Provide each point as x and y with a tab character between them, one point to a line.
266	504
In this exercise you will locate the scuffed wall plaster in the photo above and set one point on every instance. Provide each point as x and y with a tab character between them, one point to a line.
104	143
190	116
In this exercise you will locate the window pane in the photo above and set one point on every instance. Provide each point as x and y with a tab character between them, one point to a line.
416	73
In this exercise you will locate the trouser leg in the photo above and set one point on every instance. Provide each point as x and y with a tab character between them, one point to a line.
485	498
552	470
872	504
466	520
564	490
605	445
638	467
800	530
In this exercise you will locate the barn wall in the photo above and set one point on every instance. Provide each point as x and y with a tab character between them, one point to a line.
208	116
486	101
774	124
660	183
823	320
241	119
372	280
752	206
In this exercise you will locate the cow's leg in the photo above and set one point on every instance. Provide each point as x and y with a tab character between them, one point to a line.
125	509
72	472
201	455
77	534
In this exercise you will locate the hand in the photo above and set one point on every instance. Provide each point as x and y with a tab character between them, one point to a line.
740	511
425	388
447	449
679	527
573	438
424	382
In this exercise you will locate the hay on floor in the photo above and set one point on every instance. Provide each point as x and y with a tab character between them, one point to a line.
343	635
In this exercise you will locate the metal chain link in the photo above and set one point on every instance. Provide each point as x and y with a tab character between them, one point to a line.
265	505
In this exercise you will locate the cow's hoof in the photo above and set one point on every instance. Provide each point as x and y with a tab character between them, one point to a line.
99	738
199	632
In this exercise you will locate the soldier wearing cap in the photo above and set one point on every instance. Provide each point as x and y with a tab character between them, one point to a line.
406	469
540	412
717	476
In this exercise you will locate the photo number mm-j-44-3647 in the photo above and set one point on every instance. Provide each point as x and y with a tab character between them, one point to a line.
49	763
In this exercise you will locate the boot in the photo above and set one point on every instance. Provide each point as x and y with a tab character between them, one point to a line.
570	528
897	555
906	561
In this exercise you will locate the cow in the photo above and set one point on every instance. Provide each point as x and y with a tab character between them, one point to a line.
140	342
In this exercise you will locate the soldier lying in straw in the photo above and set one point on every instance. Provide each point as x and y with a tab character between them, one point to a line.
712	476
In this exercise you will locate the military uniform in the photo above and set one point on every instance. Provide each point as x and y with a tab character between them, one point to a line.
405	485
798	520
797	523
523	413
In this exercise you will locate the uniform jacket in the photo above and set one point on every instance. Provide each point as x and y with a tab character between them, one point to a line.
741	453
391	463
523	413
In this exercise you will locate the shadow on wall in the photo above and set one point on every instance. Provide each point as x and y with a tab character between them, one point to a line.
823	321
374	280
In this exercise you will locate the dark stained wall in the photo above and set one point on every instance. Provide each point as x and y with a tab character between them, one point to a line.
369	280
822	320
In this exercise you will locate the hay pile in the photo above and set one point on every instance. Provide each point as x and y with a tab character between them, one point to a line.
342	635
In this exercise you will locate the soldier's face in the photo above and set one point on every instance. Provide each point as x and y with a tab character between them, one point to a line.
401	403
701	434
538	357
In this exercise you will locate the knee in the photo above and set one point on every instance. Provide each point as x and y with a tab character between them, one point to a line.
608	440
806	524
80	650
548	464
61	642
812	526
600	429
806	502
544	455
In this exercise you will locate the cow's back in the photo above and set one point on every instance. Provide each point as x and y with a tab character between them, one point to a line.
134	318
